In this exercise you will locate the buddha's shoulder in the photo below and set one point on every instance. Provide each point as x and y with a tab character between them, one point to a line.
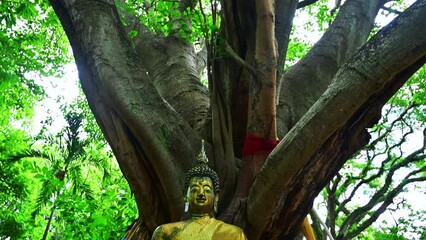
167	231
229	230
220	222
168	227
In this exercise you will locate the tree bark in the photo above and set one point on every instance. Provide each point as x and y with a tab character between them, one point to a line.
307	80
49	222
172	63
136	130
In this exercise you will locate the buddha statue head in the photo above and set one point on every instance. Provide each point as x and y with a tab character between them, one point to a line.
201	187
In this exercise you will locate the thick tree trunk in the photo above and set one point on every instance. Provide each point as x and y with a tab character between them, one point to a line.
139	125
172	64
147	98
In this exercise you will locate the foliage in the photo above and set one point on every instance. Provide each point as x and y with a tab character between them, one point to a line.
32	44
194	24
105	217
14	186
406	227
76	177
68	178
324	12
31	38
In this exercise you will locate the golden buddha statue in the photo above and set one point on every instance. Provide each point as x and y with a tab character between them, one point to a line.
202	188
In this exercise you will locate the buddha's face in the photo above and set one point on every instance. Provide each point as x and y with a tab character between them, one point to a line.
200	195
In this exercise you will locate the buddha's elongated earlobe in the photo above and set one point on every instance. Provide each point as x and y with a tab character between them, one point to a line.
186	201
186	206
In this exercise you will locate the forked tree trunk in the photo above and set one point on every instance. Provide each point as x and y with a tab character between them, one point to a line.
146	96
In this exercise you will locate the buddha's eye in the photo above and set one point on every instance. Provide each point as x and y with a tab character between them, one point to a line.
207	190
195	189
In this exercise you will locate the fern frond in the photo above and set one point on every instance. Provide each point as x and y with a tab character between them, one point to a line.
43	197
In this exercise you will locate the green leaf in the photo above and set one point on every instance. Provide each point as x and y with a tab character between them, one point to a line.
133	34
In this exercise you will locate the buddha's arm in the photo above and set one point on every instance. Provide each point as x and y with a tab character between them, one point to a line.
158	233
241	236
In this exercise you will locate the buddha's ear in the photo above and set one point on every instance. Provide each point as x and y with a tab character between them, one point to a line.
216	200
186	197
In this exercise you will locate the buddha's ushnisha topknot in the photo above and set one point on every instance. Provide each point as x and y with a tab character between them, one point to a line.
201	169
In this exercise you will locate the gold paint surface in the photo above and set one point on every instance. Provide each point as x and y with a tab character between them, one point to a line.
200	196
200	228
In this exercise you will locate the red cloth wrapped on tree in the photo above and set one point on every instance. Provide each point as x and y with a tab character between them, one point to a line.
257	145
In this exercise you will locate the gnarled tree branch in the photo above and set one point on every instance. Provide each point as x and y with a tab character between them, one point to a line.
368	73
311	76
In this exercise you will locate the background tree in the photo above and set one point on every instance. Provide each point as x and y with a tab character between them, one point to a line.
13	186
144	90
68	180
64	157
33	47
375	179
26	49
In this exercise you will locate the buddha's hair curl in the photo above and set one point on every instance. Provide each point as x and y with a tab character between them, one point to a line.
201	169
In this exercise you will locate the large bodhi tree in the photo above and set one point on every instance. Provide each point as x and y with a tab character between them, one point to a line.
146	95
